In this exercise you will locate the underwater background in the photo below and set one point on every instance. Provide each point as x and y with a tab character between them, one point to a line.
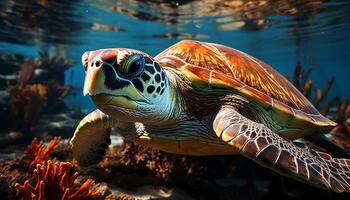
41	81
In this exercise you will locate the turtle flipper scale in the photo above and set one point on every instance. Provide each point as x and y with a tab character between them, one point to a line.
259	143
92	138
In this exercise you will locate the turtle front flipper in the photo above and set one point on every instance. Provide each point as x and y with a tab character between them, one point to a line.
92	138
259	143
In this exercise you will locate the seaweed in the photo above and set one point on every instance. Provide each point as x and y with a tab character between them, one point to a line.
38	154
55	180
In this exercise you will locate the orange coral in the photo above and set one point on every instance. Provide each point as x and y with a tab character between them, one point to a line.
38	153
55	181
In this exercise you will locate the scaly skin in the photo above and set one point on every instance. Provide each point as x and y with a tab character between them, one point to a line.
259	143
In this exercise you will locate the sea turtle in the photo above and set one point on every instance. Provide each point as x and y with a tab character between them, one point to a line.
199	98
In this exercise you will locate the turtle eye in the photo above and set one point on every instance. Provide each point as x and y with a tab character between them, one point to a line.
133	66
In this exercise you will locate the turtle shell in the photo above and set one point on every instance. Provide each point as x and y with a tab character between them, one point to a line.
217	65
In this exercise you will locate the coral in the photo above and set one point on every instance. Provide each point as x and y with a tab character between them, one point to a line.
38	153
26	104
55	181
55	95
169	167
26	99
54	65
40	82
134	155
53	62
26	72
301	80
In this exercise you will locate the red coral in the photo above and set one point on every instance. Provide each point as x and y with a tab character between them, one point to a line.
38	153
55	181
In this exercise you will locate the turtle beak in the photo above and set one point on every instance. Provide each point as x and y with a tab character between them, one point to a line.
94	86
125	95
94	80
94	76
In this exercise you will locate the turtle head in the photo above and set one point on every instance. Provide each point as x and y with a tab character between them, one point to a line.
124	83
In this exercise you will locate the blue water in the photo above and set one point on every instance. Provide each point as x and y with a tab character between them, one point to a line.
316	33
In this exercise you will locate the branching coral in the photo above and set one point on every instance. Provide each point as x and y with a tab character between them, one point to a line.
54	62
40	82
26	99
55	181
55	95
164	165
38	153
55	65
142	158
301	80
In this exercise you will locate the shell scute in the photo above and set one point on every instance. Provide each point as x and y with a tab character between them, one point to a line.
200	76
281	113
252	93
225	81
222	66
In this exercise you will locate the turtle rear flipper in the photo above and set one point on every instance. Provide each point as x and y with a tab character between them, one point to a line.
268	149
326	143
92	138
